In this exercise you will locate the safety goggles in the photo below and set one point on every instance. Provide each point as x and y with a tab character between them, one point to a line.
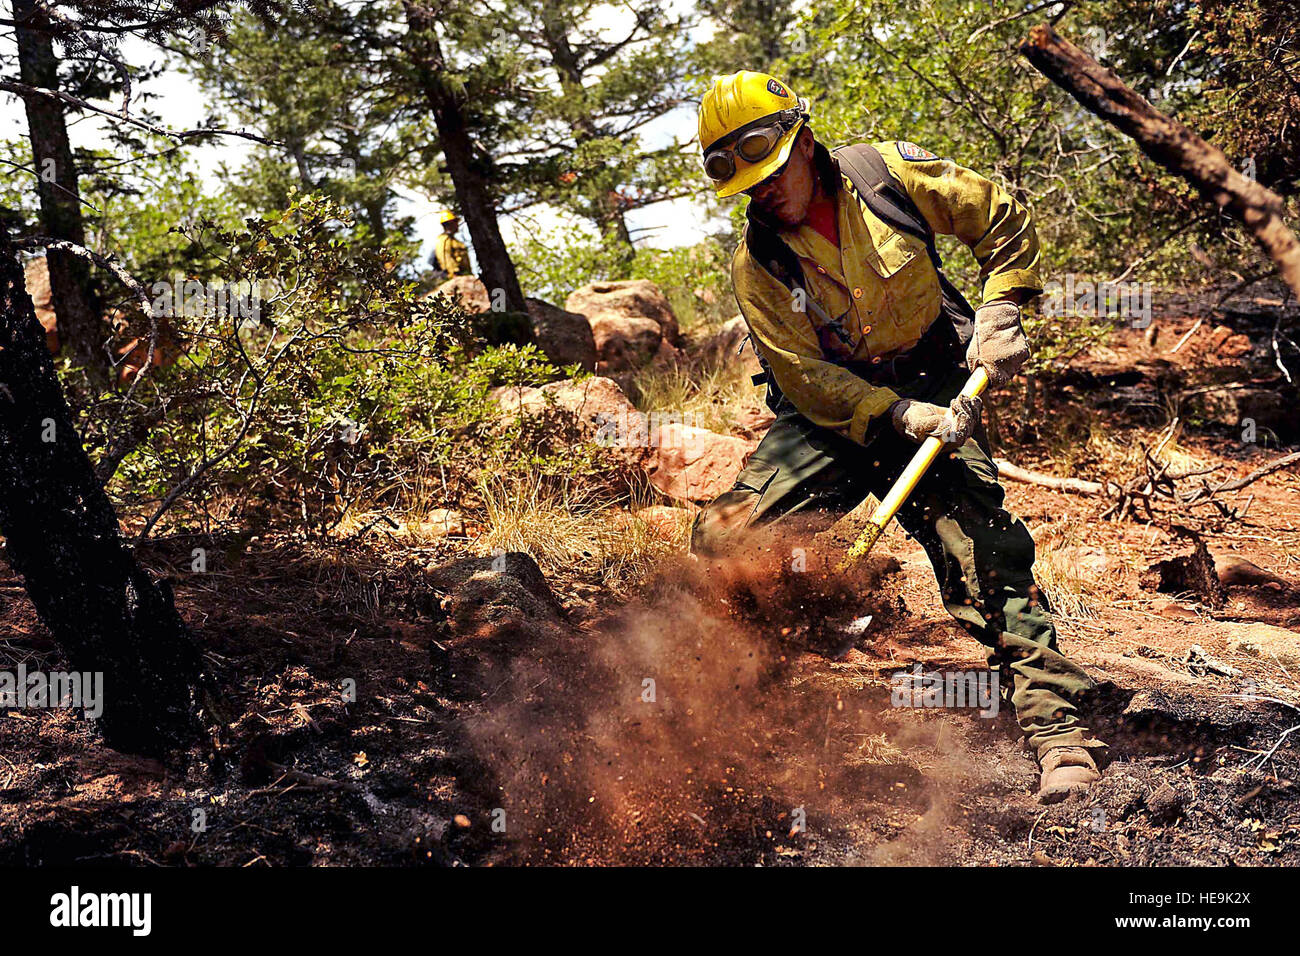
753	143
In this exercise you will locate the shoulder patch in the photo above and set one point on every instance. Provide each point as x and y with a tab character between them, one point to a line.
914	153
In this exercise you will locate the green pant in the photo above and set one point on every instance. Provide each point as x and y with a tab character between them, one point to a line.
982	555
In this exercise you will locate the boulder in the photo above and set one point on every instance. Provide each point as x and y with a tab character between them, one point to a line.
598	406
682	461
754	422
624	343
494	593
1264	641
469	290
725	346
1171	609
727	337
36	276
442	523
666	521
1232	406
1235	571
631	322
694	464
565	337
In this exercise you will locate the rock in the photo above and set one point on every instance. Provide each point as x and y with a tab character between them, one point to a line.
503	328
666	521
682	461
632	298
492	593
1171	609
1267	642
441	523
1228	344
1218	335
469	291
36	276
754	422
1166	804
1267	408
728	336
624	343
565	337
694	464
631	322
1235	571
1089	559
724	346
597	405
1235	347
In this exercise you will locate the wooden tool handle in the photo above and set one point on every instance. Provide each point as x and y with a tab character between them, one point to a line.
924	457
906	483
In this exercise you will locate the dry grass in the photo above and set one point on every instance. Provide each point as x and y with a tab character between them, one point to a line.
1066	586
710	395
1078	440
1075	591
567	528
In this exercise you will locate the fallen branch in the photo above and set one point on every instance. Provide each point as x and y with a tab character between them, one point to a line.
1074	486
1169	143
1154	483
1190	332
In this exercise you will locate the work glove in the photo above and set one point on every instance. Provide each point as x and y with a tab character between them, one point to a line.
921	420
999	342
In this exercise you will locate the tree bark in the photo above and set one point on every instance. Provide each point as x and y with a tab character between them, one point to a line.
71	293
61	535
1169	143
472	193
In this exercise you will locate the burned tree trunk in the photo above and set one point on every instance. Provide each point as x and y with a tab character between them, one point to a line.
71	292
1169	143
61	534
472	191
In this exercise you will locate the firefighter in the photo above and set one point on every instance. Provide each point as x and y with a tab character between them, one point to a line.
865	346
449	253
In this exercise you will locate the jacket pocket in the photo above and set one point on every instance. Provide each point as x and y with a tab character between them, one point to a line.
892	255
912	291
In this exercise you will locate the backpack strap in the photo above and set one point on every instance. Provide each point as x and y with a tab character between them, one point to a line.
884	195
889	202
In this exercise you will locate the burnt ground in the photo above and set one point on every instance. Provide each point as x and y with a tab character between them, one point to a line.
500	719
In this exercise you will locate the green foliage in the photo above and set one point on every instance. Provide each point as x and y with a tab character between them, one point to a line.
575	95
345	385
696	279
307	82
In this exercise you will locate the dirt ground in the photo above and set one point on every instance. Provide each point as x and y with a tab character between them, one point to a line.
717	716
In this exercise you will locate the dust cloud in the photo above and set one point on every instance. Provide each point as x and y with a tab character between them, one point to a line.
693	726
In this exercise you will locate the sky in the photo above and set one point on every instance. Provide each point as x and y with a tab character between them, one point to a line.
179	101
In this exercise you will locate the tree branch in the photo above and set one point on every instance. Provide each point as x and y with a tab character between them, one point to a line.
1169	143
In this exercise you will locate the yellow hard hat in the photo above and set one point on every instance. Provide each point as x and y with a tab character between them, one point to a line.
447	216
748	123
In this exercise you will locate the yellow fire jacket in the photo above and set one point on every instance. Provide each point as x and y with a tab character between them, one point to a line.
879	284
452	256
